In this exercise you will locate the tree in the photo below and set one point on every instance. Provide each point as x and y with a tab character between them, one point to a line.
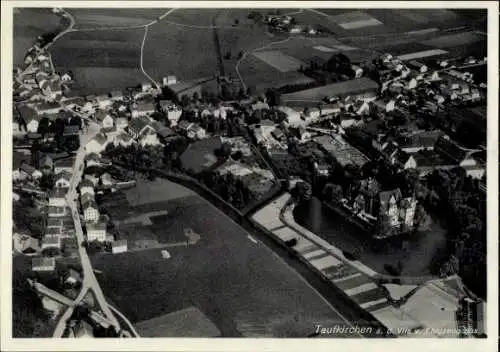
339	63
273	97
196	96
76	121
184	100
28	314
302	191
240	55
450	267
44	126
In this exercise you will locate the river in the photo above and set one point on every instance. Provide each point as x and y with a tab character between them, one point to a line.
414	251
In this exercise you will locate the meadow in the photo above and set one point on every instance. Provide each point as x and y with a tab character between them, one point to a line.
29	23
241	286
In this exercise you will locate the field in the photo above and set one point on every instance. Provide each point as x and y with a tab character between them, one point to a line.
280	61
189	322
456	39
29	23
239	285
113	17
194	43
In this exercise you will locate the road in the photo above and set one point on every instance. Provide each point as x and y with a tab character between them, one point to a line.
89	280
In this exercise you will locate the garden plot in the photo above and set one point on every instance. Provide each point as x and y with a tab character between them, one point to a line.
279	61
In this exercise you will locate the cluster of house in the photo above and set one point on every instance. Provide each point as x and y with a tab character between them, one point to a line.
60	231
426	151
437	86
287	23
95	223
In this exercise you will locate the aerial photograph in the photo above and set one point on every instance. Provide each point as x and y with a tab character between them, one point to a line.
249	172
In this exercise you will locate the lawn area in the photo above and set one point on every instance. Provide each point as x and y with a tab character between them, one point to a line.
29	23
159	190
100	60
239	285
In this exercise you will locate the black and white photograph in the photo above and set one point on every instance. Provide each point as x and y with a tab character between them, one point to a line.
271	171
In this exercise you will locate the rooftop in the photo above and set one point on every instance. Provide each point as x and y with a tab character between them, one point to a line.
355	86
342	151
43	262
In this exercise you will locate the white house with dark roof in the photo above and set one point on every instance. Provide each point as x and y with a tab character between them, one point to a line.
103	101
121	123
43	264
30	172
66	164
140	128
51	241
97	144
30	117
92	159
119	246
96	232
62	179
90	210
142	109
57	197
123	139
86	187
104	118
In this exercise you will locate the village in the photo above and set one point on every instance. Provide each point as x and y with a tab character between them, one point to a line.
363	150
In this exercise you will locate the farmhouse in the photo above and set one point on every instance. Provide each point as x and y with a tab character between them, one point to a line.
96	232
